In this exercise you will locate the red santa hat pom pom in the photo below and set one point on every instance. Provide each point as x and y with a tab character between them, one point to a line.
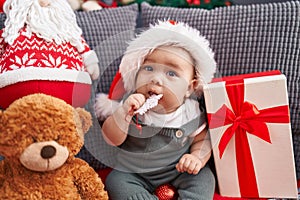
166	192
106	104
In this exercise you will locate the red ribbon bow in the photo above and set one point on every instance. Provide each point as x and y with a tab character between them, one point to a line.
245	118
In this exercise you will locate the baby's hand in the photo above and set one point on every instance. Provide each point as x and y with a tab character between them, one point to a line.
189	163
133	102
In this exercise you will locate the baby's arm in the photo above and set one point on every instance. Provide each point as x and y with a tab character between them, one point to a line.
115	127
200	153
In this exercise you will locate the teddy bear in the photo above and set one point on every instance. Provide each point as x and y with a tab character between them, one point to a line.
39	138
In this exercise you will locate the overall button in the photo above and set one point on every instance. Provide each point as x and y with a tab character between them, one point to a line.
179	133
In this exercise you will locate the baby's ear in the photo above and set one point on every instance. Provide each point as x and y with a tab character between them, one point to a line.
192	86
85	118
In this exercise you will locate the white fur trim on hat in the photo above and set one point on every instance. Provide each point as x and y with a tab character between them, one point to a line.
104	106
165	33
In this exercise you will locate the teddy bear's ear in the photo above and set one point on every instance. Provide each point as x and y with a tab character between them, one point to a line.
86	119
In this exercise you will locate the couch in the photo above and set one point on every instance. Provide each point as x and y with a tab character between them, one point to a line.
245	38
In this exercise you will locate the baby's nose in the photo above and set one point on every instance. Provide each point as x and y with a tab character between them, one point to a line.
157	79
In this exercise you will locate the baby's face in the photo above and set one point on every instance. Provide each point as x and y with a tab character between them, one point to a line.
168	71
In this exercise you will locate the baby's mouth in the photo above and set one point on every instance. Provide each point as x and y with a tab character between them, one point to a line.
150	93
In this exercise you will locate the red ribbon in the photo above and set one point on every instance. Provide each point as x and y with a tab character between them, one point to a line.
245	118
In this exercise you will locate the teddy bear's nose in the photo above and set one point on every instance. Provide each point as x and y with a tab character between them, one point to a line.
48	151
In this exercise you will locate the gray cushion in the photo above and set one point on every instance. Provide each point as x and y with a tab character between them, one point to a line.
107	32
249	38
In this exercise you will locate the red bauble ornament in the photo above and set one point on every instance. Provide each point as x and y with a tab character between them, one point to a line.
166	192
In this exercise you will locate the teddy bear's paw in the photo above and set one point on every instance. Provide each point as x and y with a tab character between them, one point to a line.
44	156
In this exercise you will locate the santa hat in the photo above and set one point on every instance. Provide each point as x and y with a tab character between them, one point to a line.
163	33
166	33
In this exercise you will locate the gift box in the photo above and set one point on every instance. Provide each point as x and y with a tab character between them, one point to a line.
249	126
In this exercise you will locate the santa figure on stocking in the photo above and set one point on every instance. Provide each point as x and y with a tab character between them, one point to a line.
42	51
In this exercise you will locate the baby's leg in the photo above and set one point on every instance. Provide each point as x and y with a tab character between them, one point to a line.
128	186
200	186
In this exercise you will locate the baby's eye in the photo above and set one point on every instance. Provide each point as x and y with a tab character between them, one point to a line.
148	68
171	73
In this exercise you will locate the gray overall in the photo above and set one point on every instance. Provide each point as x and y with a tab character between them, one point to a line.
147	160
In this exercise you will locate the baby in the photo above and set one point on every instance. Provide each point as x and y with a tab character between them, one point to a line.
169	142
